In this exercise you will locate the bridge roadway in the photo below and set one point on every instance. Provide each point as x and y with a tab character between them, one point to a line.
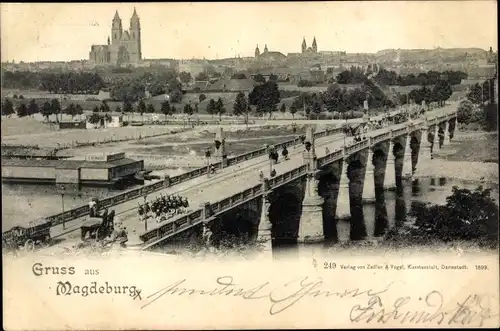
73	224
225	182
203	187
250	178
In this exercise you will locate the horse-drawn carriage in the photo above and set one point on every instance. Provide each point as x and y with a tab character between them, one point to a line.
98	227
37	232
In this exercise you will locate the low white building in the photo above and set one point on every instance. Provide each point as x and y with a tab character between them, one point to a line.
107	120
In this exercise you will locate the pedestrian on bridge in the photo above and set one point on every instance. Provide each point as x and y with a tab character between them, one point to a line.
327	151
285	153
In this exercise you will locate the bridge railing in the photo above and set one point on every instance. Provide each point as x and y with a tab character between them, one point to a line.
174	180
357	146
332	157
156	235
221	206
381	137
171	181
399	132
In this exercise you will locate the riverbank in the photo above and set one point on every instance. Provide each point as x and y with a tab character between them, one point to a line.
472	156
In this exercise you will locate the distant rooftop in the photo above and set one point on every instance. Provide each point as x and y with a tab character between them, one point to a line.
66	164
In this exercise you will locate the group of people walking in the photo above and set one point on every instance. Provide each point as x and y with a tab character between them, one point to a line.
163	207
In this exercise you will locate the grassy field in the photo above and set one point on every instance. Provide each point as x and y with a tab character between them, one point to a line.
25	126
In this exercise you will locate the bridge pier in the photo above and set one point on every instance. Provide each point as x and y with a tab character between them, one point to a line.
343	210
390	169
264	235
311	220
220	147
435	144
425	146
407	166
446	141
369	182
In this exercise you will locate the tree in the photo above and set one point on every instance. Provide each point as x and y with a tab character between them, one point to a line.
442	91
46	110
165	108
202	97
188	110
173	110
316	108
33	108
7	108
95	110
150	108
185	77
141	108
304	83
464	111
202	76
293	109
127	107
219	108
56	107
240	104
468	215
104	107
95	118
265	97
78	110
273	77
283	108
239	75
476	94
308	112
211	107
22	110
70	110
176	95
259	78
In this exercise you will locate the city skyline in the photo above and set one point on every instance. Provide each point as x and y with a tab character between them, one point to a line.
65	32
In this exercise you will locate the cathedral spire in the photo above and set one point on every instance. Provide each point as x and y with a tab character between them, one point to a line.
117	17
314	45
134	15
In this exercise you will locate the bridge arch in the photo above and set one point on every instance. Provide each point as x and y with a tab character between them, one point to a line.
285	212
239	225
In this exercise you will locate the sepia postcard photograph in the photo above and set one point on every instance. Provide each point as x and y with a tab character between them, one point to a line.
250	165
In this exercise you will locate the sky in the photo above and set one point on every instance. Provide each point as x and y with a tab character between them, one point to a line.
65	31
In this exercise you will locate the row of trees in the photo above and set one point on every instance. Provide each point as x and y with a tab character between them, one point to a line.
439	93
387	77
46	109
479	107
355	75
67	82
480	93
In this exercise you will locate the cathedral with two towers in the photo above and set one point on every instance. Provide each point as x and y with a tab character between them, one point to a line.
124	47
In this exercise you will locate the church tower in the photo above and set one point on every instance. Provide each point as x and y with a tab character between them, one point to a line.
304	45
265	49
116	29
257	51
314	46
135	38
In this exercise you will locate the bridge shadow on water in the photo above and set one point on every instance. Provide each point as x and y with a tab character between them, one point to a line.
368	221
